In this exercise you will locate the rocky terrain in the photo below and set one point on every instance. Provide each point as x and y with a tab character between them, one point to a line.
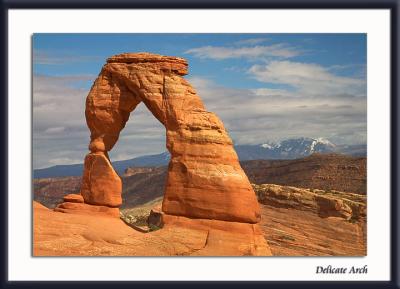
295	222
139	186
291	232
63	234
50	191
318	171
208	206
142	185
299	222
325	204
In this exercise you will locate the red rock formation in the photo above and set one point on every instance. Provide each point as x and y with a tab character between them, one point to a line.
323	203
205	179
89	234
86	209
101	186
74	203
206	188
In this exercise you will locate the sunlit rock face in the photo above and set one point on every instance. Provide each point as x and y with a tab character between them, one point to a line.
204	179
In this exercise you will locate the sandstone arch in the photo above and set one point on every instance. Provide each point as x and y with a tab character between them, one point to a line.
205	180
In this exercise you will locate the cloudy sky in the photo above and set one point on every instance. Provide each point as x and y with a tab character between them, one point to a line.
265	88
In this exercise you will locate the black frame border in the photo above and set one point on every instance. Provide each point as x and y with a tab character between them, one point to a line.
392	5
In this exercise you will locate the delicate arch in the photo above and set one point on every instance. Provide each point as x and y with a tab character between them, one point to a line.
204	179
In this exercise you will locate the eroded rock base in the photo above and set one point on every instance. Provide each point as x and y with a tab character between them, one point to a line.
223	238
74	204
76	234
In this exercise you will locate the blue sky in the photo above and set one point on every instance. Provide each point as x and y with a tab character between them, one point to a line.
265	87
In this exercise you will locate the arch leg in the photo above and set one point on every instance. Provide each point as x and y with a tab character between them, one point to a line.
108	107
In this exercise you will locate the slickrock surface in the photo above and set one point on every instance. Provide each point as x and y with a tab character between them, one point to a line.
300	222
59	234
291	232
86	209
204	178
288	231
224	238
323	203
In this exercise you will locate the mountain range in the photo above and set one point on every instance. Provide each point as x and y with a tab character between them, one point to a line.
284	150
296	148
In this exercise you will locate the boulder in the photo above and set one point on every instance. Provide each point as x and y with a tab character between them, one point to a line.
101	185
155	217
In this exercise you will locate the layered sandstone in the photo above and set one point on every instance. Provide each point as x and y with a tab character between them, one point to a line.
295	221
204	179
58	234
206	188
101	186
292	232
325	204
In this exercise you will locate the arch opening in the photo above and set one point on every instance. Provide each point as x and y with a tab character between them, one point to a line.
141	182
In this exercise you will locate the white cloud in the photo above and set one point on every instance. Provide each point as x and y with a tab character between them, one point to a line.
254	116
64	161
251	116
54	130
280	50
272	92
307	78
60	134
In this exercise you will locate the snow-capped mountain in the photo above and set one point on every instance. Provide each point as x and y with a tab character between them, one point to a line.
300	147
286	149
